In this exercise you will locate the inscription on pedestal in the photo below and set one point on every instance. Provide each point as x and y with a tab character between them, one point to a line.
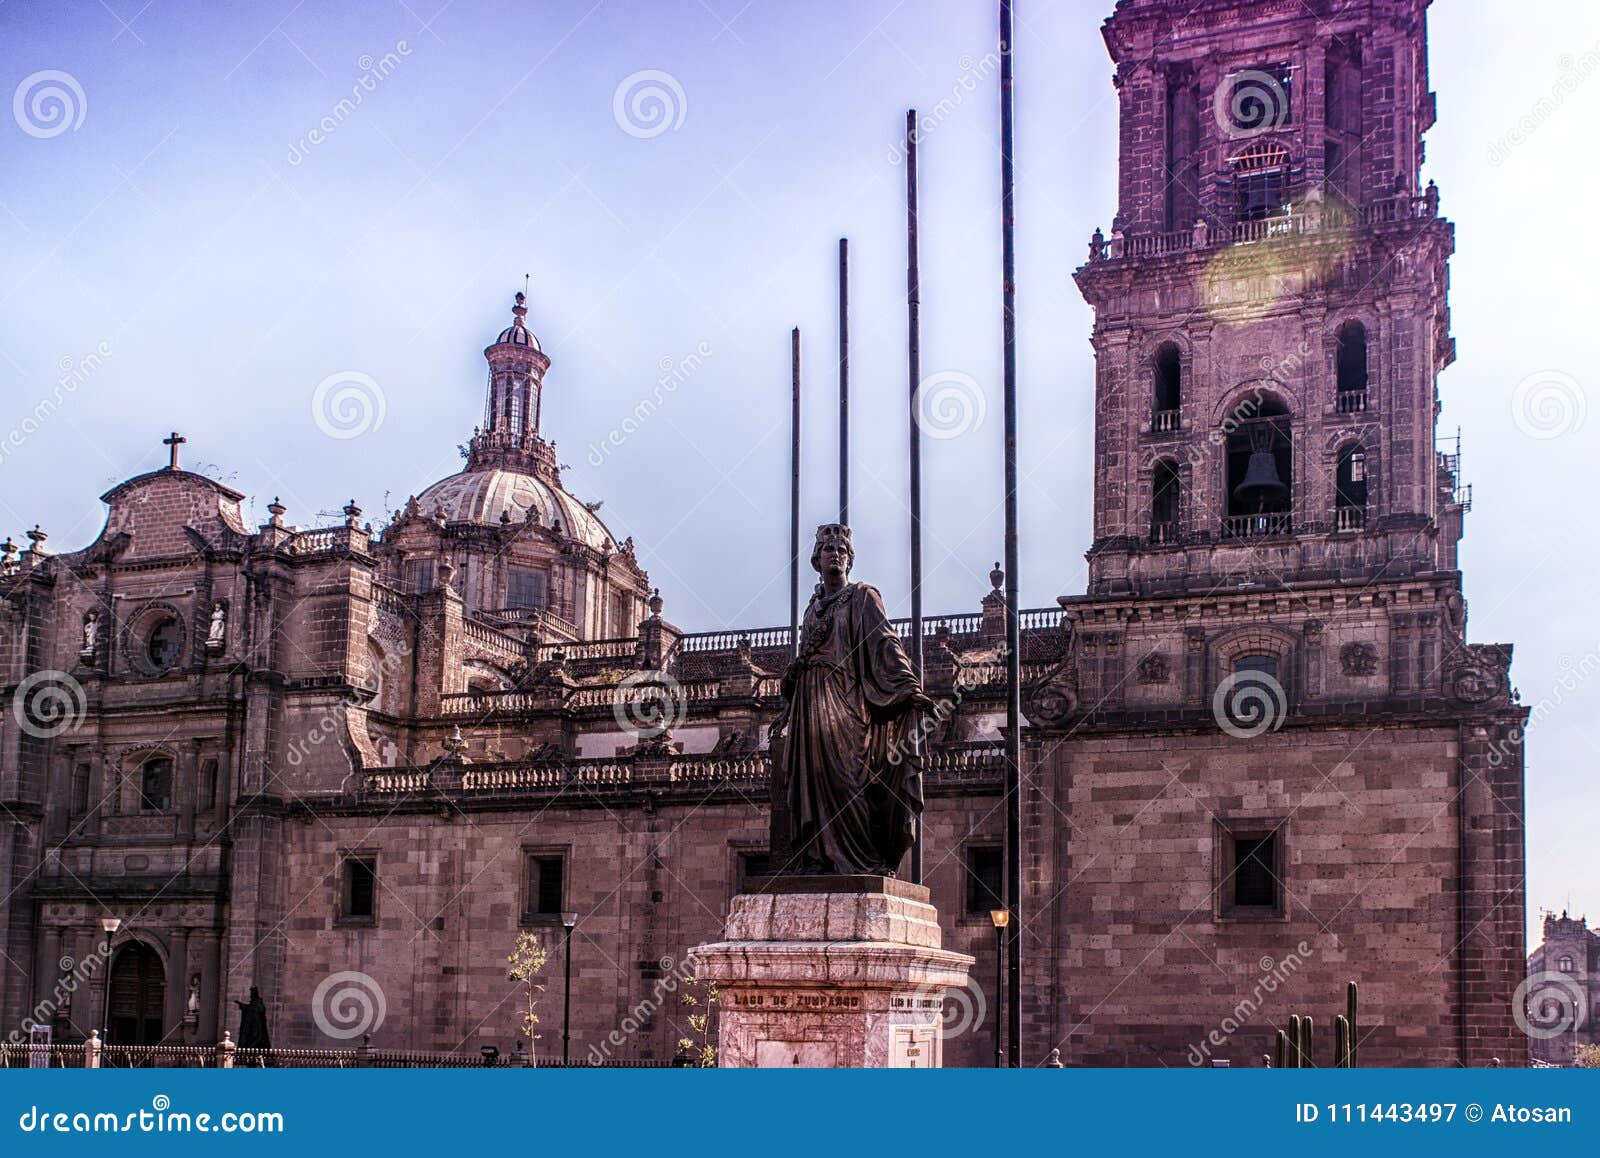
796	1055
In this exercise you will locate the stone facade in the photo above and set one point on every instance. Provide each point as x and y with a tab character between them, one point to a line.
1261	758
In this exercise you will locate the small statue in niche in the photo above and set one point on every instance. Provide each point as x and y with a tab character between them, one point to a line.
91	633
191	1006
219	626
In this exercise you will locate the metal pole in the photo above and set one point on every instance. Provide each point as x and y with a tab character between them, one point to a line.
999	991
844	381
914	377
105	1012
1008	259
794	497
566	1004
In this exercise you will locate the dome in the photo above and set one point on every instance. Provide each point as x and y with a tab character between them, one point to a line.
517	333
483	496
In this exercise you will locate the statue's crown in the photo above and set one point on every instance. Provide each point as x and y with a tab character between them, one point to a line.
834	533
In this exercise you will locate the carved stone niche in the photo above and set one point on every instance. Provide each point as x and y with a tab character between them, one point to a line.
1155	668
1358	659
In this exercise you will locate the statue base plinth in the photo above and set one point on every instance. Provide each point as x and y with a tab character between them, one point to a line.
831	972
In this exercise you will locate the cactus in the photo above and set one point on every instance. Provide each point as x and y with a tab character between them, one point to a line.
1341	1042
1306	1026
1294	1041
1282	1049
1350	1015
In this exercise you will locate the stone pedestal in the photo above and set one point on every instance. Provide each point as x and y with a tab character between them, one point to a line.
831	972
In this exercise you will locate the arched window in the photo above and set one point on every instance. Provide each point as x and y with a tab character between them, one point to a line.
164	644
1168	388
1165	506
1260	469
1565	965
1351	368
1350	490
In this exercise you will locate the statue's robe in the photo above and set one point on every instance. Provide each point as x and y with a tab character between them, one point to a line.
851	774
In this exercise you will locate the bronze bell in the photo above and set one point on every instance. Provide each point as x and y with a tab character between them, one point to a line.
1261	483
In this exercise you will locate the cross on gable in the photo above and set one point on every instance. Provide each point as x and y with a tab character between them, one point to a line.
173	442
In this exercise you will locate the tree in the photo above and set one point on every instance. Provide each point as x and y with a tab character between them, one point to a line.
699	1022
1587	1057
523	968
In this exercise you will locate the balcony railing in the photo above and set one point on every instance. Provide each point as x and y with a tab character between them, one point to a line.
1351	402
1324	218
1164	421
1163	533
1350	518
1257	526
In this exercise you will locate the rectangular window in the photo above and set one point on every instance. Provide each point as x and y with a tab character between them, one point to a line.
985	879
1252	864
753	864
546	882
206	799
622	621
526	588
358	892
419	576
80	790
155	785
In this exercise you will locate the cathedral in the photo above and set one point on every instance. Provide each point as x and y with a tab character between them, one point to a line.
348	766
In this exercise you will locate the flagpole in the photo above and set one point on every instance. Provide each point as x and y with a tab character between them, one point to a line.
844	381
914	376
794	493
1013	743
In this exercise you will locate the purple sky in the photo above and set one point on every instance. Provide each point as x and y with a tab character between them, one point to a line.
219	234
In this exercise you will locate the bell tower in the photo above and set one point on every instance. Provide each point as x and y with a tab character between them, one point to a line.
509	436
1270	303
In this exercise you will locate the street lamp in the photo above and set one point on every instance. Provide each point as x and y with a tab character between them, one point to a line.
568	920
1001	918
108	925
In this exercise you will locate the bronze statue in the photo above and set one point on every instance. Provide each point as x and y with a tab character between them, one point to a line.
253	1022
849	774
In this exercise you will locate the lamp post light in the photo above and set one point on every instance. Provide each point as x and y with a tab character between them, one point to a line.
108	925
1001	918
568	920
